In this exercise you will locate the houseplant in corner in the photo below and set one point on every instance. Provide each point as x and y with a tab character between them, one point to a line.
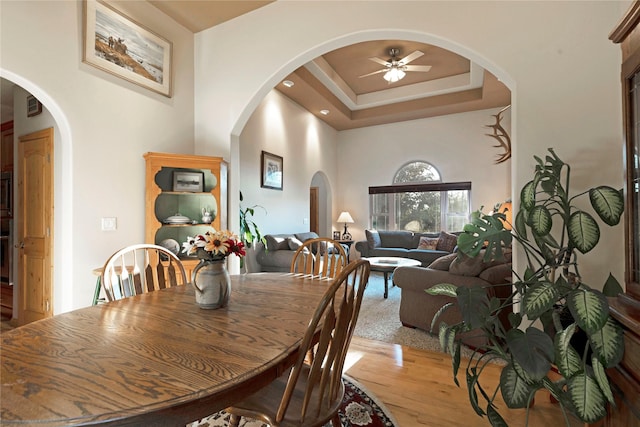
249	232
552	232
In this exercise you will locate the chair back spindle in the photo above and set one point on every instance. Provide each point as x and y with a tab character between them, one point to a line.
142	268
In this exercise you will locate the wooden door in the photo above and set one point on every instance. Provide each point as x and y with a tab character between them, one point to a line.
313	210
34	173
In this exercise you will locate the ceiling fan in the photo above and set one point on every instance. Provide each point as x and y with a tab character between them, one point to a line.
395	68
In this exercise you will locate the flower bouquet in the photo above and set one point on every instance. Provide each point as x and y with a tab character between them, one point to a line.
214	245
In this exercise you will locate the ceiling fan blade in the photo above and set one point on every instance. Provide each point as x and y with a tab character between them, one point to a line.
415	55
422	68
381	61
375	72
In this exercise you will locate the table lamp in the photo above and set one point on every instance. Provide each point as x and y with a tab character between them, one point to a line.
346	218
506	209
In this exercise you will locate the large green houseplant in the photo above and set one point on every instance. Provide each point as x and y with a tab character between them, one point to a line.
249	231
552	232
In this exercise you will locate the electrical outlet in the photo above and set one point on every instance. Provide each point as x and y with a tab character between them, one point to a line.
109	224
305	221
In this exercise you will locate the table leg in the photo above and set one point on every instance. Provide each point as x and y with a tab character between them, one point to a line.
386	284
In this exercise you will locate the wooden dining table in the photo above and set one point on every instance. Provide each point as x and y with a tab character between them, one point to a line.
155	359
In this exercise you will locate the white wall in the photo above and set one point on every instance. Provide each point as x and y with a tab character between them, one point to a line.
307	145
105	126
554	56
455	144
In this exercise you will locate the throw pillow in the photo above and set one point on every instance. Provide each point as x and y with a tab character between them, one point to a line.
428	243
466	266
373	238
447	242
294	243
443	262
276	243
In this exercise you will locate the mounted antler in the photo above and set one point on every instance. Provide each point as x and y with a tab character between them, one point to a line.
501	135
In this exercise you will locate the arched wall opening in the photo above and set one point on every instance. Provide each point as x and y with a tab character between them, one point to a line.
63	197
345	40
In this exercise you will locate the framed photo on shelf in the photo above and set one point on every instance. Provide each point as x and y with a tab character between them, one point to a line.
118	45
336	235
271	171
192	182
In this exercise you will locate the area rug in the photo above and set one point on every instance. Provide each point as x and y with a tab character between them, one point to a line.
359	408
379	319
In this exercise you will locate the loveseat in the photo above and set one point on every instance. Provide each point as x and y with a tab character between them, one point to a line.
423	247
278	253
417	308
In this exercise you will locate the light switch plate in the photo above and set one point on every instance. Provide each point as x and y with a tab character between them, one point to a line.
109	224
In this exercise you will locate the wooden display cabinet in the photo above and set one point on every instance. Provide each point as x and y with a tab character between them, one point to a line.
164	198
625	308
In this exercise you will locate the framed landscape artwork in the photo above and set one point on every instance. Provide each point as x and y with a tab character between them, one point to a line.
116	44
192	182
271	171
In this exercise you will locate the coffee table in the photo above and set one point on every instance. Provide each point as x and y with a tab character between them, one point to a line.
387	265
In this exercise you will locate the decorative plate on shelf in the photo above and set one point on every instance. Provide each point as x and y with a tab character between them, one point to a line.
172	245
177	219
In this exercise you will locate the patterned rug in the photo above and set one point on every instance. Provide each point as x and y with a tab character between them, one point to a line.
359	408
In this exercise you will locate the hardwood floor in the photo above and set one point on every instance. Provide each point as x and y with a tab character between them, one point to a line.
417	387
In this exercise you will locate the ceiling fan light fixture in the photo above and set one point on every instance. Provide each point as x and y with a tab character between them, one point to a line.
394	74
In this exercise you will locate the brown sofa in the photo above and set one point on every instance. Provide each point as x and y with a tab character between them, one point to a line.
417	308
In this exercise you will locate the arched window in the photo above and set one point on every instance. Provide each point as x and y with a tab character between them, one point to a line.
419	201
417	171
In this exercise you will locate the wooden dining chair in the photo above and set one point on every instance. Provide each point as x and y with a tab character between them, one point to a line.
322	257
311	394
139	269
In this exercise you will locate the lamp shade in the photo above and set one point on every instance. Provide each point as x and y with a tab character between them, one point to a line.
345	217
506	208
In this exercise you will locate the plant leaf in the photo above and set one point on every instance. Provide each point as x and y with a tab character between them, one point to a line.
445	289
532	349
520	224
515	391
494	417
612	287
540	220
483	229
589	308
608	204
587	399
438	314
528	195
583	231
608	343
539	298
473	304
567	358
601	378
472	379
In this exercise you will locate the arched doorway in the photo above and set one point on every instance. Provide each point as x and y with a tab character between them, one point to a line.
54	118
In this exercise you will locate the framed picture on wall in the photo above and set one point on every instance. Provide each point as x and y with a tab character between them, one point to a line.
271	171
116	44
34	107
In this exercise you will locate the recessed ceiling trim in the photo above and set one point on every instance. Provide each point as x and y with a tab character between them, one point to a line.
322	71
